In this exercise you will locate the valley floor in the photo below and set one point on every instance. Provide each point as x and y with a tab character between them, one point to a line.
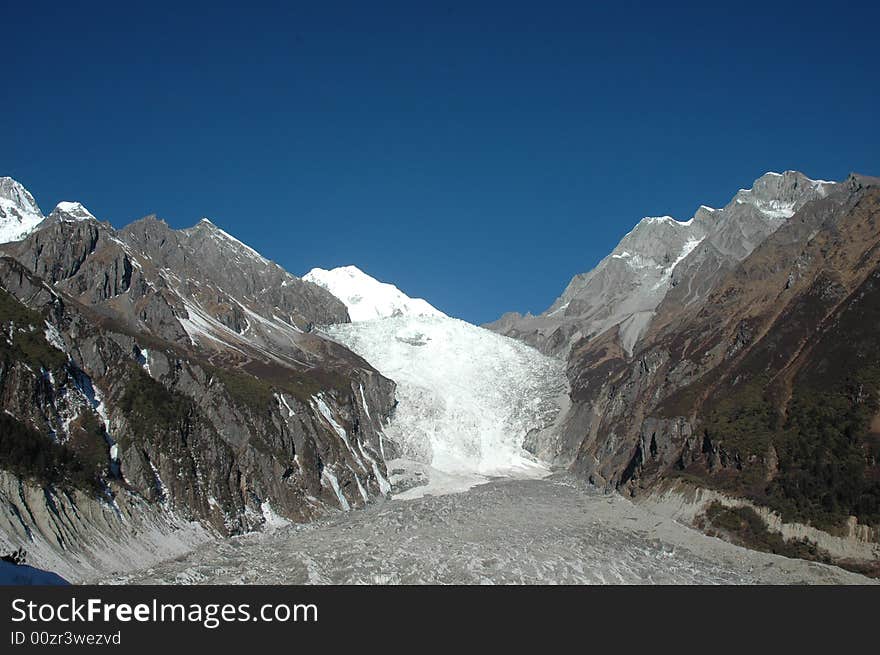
553	530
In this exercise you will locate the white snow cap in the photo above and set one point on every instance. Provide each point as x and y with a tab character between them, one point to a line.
366	297
19	213
74	210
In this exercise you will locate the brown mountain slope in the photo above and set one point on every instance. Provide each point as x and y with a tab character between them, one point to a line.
723	392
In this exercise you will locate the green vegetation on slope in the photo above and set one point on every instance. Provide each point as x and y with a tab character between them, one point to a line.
36	457
744	526
27	342
827	455
80	462
153	410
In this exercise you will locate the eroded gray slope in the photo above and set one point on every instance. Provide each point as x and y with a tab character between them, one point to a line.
662	256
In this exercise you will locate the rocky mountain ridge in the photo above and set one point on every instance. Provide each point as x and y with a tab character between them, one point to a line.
756	373
174	372
662	256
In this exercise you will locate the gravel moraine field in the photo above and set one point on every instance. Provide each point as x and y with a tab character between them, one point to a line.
552	531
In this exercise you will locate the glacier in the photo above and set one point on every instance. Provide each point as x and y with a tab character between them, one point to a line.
468	503
467	397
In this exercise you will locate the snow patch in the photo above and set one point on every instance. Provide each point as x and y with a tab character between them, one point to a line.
283	402
361	490
272	520
686	250
53	337
364	401
324	410
143	358
330	477
164	496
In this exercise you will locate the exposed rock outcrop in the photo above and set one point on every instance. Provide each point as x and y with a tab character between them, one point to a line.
172	377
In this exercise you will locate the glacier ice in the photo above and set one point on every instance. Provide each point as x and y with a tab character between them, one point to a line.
467	397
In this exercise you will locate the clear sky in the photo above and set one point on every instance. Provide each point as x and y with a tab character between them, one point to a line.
475	154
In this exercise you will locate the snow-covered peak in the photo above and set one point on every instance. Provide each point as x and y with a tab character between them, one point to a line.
14	192
74	210
366	297
19	213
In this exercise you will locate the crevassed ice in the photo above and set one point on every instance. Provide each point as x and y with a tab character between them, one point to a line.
467	397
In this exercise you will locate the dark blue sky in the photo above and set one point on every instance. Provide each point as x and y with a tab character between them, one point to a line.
475	154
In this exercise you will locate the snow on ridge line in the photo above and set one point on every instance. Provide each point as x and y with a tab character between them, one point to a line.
366	297
666	219
794	172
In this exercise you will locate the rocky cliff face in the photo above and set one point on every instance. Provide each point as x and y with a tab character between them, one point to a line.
174	372
757	374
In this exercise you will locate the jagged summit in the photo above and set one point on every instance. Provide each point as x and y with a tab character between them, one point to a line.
15	192
19	213
366	297
779	195
183	371
626	287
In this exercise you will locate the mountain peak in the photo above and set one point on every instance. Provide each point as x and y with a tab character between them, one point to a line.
220	235
656	238
366	297
14	191
779	195
628	285
19	213
74	210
